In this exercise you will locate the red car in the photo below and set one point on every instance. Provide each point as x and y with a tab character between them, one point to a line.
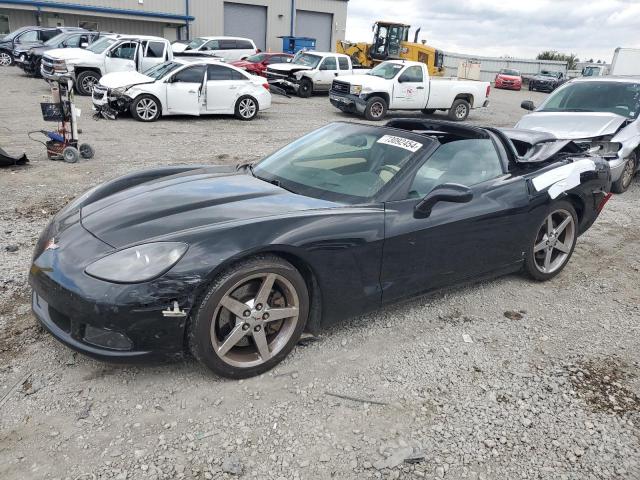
510	79
257	64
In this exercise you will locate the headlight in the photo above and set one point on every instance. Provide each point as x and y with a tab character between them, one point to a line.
117	92
138	264
605	149
355	89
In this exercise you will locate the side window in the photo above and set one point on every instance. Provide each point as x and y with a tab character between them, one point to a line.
73	41
193	74
329	63
48	34
219	72
31	36
227	45
344	63
412	74
244	45
126	51
211	45
467	162
155	50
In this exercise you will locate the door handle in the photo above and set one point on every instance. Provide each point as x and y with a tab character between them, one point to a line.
233	88
419	88
192	91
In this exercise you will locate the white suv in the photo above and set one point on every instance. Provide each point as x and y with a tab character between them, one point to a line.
228	48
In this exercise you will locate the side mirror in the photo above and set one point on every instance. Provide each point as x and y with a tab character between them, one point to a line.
447	192
528	105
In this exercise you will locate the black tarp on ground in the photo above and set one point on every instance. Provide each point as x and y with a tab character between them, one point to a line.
7	160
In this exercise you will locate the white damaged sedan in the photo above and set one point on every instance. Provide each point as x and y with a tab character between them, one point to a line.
197	86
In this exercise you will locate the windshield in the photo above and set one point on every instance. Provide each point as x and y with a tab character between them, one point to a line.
622	98
307	60
57	40
196	43
12	35
348	163
256	58
101	45
506	71
161	70
386	70
546	73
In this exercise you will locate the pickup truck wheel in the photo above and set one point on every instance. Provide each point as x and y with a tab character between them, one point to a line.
246	108
553	243
622	184
376	109
306	88
145	108
459	110
5	59
85	82
428	111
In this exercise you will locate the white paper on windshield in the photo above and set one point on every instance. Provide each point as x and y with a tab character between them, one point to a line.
401	142
563	178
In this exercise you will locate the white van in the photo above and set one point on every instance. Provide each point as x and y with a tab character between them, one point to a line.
228	48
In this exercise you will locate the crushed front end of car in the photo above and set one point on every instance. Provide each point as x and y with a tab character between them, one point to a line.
110	102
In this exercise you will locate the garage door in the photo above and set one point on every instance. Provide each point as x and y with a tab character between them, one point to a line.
315	25
249	21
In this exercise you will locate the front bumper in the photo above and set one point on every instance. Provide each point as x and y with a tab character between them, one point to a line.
97	318
508	85
50	71
347	102
543	86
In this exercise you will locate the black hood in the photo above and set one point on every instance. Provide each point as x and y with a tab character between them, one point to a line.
196	199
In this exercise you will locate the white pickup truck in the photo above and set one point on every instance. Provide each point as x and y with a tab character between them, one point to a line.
113	53
309	72
405	85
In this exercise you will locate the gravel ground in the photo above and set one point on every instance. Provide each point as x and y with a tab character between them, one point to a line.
507	379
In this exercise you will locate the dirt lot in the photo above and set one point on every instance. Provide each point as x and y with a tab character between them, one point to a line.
548	388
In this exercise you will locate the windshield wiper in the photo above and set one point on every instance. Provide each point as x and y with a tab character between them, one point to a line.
246	166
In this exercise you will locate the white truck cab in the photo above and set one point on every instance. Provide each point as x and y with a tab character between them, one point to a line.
406	85
309	72
113	53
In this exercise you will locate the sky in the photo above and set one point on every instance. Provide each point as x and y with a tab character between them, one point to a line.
516	28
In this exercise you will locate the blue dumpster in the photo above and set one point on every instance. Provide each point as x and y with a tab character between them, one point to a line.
295	44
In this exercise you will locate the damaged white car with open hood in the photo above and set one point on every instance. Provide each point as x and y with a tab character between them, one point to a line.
197	86
600	115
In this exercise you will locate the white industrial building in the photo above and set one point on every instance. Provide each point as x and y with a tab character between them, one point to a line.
261	20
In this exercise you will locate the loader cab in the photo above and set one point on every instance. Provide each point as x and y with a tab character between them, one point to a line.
387	40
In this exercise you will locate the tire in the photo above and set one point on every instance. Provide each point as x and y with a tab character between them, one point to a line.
306	88
376	109
85	82
145	108
6	59
246	108
622	184
459	110
86	151
70	155
541	247
215	327
428	111
530	88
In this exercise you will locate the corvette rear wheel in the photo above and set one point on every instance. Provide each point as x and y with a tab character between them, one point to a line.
250	318
554	242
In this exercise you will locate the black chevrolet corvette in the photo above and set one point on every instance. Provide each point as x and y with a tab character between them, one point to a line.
234	263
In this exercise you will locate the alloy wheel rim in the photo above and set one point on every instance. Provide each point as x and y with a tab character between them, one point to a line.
88	82
461	111
554	241
147	109
627	173
376	109
5	59
254	320
247	108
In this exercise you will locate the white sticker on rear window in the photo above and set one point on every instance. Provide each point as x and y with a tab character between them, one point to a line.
400	142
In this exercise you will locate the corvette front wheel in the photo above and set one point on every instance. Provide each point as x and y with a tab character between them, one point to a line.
250	318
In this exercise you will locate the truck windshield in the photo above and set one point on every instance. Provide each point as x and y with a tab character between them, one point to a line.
101	45
161	70
307	60
57	40
622	98
12	35
386	70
